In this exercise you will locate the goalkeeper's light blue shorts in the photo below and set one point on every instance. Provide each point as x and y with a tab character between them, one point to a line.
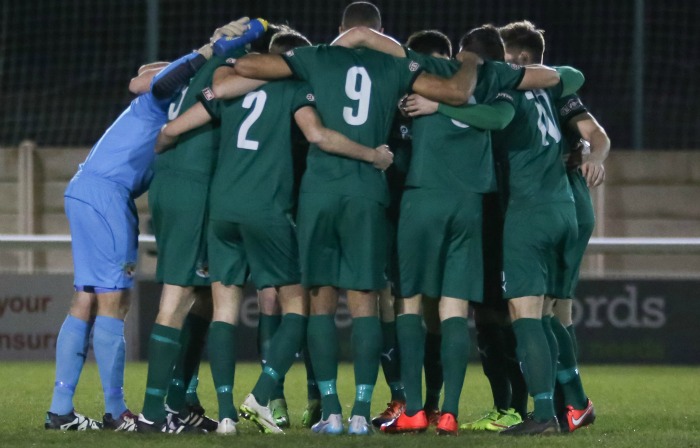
104	232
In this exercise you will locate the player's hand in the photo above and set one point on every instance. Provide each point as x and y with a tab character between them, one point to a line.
417	105
383	158
164	142
235	28
594	172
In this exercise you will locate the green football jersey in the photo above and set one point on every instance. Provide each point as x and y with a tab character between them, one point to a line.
531	149
357	91
449	154
255	168
567	108
193	152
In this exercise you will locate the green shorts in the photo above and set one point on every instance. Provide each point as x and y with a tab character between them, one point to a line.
439	244
535	241
342	241
585	220
178	203
266	248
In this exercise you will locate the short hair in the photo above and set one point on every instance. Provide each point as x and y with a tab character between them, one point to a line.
262	44
362	14
524	36
429	42
484	41
284	41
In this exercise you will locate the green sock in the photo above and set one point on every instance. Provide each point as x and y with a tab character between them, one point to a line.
491	342
518	387
312	392
432	364
192	340
567	375
574	342
222	357
322	342
192	398
267	328
280	355
535	362
455	356
366	349
553	346
163	349
411	335
390	361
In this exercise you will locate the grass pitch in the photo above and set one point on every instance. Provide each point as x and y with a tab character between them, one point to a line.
636	406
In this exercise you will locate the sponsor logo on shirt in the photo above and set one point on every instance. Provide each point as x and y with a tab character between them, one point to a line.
504	96
570	106
208	94
413	66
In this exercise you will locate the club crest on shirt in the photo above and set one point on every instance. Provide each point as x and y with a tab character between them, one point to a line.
231	61
514	66
310	97
290	53
413	66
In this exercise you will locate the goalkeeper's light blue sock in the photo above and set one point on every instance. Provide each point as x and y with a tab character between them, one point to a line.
109	346
71	351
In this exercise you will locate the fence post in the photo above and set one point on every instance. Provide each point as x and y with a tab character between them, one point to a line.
26	201
638	76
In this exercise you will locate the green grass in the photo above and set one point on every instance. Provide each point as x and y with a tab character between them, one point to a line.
637	407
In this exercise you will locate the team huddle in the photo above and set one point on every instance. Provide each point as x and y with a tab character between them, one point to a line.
417	183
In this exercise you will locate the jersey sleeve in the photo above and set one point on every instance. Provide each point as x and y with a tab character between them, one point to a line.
570	106
408	70
301	61
210	103
504	96
303	97
509	76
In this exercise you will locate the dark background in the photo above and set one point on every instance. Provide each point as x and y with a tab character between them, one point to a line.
65	65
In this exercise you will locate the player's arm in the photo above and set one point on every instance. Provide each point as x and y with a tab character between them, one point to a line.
336	143
493	116
455	90
590	130
175	75
538	76
227	83
362	36
571	79
194	117
263	66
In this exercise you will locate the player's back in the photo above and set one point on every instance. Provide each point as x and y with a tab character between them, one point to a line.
255	168
124	154
357	91
195	151
531	148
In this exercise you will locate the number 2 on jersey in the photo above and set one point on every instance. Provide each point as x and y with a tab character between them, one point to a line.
357	115
253	98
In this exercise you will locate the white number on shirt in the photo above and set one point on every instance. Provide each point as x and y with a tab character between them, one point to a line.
174	109
357	75
545	122
257	98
